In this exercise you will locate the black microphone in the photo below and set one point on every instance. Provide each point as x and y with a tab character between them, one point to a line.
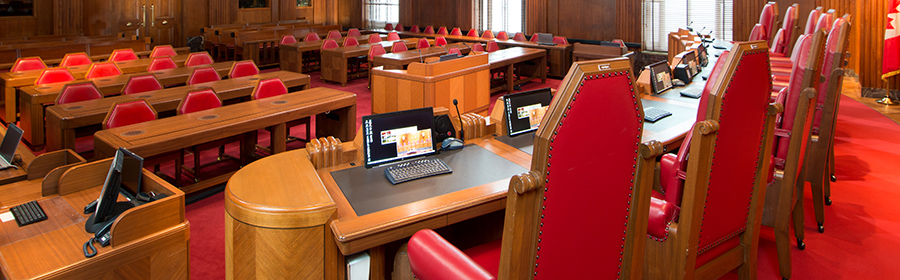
467	46
461	131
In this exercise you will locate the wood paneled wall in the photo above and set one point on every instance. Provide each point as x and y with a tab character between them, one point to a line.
449	13
39	24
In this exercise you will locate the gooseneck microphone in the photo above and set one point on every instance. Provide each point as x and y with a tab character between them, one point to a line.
461	131
468	47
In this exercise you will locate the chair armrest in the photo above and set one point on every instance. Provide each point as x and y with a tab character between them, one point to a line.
661	214
667	168
432	257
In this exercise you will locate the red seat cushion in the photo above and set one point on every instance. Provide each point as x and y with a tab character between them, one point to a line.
123	55
243	69
163	50
138	84
393	36
200	58
486	255
128	113
198	101
54	75
288	39
78	92
103	69
75	59
269	88
28	63
162	63
203	75
399	47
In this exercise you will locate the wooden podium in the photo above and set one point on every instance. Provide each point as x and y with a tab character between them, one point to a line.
435	84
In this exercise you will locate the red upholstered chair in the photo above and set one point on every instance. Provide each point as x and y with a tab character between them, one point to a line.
414	28
442	31
472	33
399	27
374	38
488	34
502	36
399	47
329	44
388	27
75	59
826	21
353	32
789	27
350	41
199	100
758	33
811	20
456	32
198	58
519	37
545	207
203	75
311	37
196	101
454	51
102	69
287	40
334	34
726	181
122	55
534	37
767	18
440	41
162	63
78	92
28	63
492	46
139	84
54	75
275	87
429	29
163	50
423	44
393	36
135	112
243	68
374	50
779	43
560	40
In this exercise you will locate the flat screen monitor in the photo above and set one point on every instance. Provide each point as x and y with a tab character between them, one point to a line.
660	76
132	165
449	57
397	136
524	110
10	143
703	58
123	176
690	59
545	38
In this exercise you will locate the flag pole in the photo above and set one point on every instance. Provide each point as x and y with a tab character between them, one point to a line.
886	100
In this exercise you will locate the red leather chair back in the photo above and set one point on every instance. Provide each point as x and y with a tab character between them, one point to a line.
199	100
779	44
399	27
825	21
138	84
534	37
333	34
519	37
54	75
620	42
75	59
102	69
78	92
28	63
453	51
477	48
758	33
414	28
389	27
807	59
329	44
393	36
243	68
350	41
268	88
162	63
456	32
287	40
128	113
502	36
811	22
429	29
203	75
472	33
492	46
198	58
423	44
443	31
488	34
834	56
791	16
353	32
311	37
376	50
122	55
163	50
374	38
767	18
560	40
399	47
440	41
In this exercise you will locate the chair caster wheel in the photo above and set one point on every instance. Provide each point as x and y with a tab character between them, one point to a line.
800	244
821	228
833	178
828	200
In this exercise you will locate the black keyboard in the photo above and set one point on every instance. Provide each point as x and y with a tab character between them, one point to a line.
416	169
28	213
653	114
693	92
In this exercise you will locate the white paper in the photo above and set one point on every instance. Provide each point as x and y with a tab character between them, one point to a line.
7	216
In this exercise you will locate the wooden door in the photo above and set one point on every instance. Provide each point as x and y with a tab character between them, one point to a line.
164	22
131	16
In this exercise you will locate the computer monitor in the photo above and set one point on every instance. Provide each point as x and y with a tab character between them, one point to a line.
545	38
10	143
690	59
449	57
660	76
524	110
123	169
703	58
396	136
132	165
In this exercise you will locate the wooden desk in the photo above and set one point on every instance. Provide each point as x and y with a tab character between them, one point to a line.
401	59
183	131
507	58
33	98
150	240
335	61
291	56
64	120
12	80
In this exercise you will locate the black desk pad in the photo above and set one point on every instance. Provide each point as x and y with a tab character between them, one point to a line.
523	142
368	191
679	114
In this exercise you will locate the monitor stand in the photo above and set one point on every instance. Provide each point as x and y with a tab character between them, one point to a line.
92	226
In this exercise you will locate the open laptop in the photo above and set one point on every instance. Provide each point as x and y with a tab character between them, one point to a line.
523	113
402	136
545	39
8	147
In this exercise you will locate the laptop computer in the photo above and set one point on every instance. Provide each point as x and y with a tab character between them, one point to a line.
8	147
397	136
523	114
545	39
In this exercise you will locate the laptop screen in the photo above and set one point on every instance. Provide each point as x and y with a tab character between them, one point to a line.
524	110
661	76
10	142
397	136
545	38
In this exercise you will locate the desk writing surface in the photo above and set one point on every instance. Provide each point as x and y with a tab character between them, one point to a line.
369	191
523	142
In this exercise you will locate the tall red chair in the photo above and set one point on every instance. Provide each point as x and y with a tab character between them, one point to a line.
203	75
399	27
488	34
311	37
329	44
545	206
275	87
198	58
75	59
196	101
456	32
28	63
414	28
726	180
399	47
374	38
758	33
790	26
442	31
519	37
102	69
135	112
163	50
440	41
388	27
287	40
122	55
492	46
162	63
353	32
502	36
429	29
243	68
78	92
350	41
472	33
393	36
334	34
54	75
767	18
423	44
139	84
560	40
826	21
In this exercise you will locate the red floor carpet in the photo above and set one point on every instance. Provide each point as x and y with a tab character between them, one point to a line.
861	240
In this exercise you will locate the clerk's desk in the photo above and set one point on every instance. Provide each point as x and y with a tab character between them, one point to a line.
148	241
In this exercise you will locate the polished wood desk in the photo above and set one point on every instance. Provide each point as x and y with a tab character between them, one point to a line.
174	133
291	56
148	241
508	58
64	120
401	59
12	80
53	52
32	99
335	61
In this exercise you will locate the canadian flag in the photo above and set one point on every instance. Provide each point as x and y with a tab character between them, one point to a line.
891	64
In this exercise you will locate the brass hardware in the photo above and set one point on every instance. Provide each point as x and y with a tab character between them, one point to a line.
165	22
128	24
152	15
143	14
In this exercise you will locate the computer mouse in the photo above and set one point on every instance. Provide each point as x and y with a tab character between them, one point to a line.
451	143
677	82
